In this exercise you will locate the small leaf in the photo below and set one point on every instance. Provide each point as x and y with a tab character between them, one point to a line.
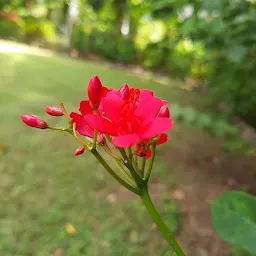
234	219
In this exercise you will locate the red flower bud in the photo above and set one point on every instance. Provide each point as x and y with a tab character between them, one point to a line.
94	91
141	153
54	111
125	92
79	151
100	139
164	112
34	121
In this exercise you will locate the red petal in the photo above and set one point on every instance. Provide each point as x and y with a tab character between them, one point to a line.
148	108
110	107
124	141
81	126
155	127
149	153
100	124
104	91
164	102
162	139
85	107
146	93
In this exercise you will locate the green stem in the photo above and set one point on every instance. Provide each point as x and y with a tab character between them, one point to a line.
133	172
143	164
124	155
112	173
136	167
148	171
159	222
123	172
94	139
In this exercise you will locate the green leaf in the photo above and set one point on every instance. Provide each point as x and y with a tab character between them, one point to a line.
234	219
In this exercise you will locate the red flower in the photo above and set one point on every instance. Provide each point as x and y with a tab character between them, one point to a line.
130	119
34	121
54	111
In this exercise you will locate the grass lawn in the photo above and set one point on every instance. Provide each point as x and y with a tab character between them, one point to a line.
43	187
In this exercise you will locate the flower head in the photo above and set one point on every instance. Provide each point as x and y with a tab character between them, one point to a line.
130	119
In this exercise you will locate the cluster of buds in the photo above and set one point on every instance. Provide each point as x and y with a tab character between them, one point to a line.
127	123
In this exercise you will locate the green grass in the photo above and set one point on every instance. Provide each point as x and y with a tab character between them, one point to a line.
43	186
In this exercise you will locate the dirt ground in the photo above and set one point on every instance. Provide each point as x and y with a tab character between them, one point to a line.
206	171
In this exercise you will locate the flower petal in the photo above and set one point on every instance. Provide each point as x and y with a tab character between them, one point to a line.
100	124
148	108
104	91
155	127
110	107
81	126
164	102
145	92
85	107
124	141
162	139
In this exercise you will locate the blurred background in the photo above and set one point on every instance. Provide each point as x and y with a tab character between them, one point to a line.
200	55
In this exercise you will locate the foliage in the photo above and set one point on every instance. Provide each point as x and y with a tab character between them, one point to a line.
36	30
227	30
8	29
234	219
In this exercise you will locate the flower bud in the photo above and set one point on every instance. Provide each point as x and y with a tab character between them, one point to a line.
79	151
141	153
54	111
94	91
164	112
100	139
34	121
125	92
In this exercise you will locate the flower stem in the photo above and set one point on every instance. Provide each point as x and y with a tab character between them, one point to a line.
159	222
143	164
95	134
148	171
133	172
112	173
